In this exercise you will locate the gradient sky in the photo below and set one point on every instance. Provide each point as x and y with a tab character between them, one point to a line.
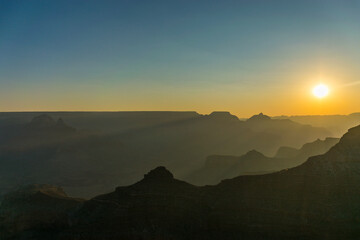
244	56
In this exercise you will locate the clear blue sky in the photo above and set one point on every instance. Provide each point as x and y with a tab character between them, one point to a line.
243	56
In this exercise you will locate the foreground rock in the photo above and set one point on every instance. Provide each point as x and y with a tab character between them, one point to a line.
35	212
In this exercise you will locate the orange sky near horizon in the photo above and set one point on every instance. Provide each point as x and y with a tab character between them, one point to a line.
244	57
243	101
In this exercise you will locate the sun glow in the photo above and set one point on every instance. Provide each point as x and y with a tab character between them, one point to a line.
320	91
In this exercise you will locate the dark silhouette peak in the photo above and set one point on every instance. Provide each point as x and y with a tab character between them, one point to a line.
45	123
353	132
42	120
351	139
60	121
331	139
259	117
286	152
314	143
346	150
254	154
159	173
46	189
223	115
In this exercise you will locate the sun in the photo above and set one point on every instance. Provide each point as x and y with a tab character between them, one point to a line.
320	91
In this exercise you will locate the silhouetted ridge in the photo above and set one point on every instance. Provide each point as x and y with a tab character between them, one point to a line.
60	122
259	117
159	173
45	189
220	167
35	210
315	200
41	121
253	154
286	152
290	204
348	148
223	116
352	134
316	147
46	123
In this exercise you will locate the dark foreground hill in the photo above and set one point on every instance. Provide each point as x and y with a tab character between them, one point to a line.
35	212
319	199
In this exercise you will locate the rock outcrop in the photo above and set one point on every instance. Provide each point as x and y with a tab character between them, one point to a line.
35	212
316	147
47	124
220	167
259	117
223	116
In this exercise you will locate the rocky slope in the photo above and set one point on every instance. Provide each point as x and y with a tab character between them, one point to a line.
42	130
156	207
35	212
318	199
316	147
219	167
289	130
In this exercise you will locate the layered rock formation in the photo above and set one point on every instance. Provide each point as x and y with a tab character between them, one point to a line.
318	200
219	167
316	147
87	163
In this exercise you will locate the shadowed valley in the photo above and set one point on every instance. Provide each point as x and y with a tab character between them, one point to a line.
102	150
318	199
